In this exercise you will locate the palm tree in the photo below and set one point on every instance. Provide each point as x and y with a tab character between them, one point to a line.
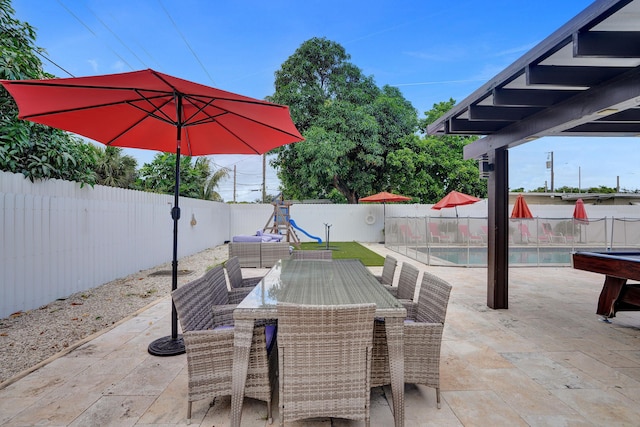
114	169
208	189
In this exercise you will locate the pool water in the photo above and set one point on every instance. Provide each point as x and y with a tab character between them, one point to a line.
478	256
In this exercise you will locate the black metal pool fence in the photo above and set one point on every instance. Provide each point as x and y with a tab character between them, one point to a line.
539	241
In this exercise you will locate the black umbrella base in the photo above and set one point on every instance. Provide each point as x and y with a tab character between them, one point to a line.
167	346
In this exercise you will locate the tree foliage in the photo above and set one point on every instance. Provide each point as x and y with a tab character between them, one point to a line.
350	125
115	169
361	139
196	179
36	151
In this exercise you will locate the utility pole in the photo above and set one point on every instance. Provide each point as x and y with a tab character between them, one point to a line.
234	183
550	166
579	179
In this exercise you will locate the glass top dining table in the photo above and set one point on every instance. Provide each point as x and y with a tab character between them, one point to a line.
317	282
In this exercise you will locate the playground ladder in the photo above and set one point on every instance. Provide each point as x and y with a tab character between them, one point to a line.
279	223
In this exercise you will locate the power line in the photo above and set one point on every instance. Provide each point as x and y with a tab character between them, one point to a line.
186	42
118	38
94	34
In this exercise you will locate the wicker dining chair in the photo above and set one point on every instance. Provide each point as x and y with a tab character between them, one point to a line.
422	339
388	270
322	254
406	288
324	355
234	271
209	339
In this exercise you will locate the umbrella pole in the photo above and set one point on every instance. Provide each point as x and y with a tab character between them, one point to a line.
174	344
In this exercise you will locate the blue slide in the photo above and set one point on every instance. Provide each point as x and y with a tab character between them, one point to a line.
293	223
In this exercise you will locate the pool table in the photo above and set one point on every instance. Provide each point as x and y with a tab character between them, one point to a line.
616	294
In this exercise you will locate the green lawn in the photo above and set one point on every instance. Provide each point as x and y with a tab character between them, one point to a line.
343	250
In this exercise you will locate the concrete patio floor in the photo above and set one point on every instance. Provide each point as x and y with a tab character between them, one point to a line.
546	361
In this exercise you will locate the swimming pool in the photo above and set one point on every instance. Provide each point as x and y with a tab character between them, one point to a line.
477	257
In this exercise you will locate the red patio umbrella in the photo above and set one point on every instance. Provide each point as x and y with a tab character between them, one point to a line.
520	209
580	216
455	199
580	213
150	110
384	197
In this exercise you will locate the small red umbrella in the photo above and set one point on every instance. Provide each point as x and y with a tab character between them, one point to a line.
579	212
384	197
455	199
520	209
155	111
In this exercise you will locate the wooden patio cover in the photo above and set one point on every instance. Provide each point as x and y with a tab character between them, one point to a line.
582	80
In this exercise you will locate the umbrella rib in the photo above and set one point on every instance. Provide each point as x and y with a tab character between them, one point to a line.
153	113
136	123
54	83
239	139
86	108
200	109
227	111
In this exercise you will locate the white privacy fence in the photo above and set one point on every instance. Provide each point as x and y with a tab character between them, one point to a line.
538	241
58	238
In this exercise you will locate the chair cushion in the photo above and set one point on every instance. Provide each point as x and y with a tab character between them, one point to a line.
258	239
270	332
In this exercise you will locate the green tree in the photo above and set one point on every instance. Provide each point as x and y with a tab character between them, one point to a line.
350	125
36	151
429	167
115	169
196	180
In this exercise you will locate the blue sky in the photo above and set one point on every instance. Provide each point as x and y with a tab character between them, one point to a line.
431	50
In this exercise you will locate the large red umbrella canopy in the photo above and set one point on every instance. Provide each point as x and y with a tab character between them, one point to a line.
580	213
453	199
150	110
521	209
144	109
384	197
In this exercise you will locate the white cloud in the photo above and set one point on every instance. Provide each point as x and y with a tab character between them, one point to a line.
94	65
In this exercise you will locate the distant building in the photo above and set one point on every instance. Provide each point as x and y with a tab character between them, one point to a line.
570	198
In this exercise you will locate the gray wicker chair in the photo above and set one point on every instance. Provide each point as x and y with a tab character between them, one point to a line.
325	361
406	288
208	338
321	254
272	252
235	274
388	270
422	339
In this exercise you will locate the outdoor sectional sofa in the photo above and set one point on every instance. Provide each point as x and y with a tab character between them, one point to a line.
259	251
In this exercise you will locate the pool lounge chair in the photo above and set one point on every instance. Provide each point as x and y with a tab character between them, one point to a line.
437	235
467	236
527	237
